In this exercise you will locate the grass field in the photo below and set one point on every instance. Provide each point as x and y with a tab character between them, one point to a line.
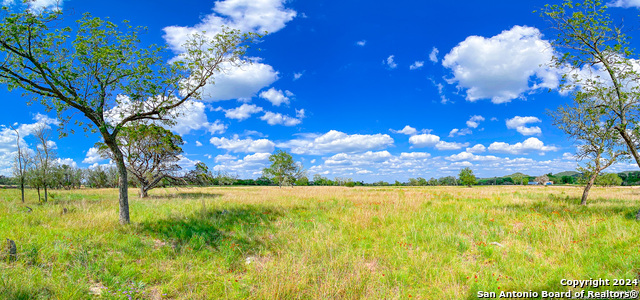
317	242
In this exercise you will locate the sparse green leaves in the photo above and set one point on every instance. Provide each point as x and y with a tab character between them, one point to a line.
104	72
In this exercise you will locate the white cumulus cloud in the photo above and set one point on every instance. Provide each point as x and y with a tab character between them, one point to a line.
389	62
433	56
246	15
276	97
66	161
416	65
92	156
279	119
408	130
502	67
624	3
240	82
520	124
242	112
191	115
474	121
248	145
424	140
529	145
250	166
335	142
442	145
37	5
462	156
459	132
477	148
357	159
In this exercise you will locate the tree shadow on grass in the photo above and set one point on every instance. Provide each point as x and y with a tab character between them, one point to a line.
232	232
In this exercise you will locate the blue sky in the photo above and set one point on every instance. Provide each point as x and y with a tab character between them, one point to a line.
368	90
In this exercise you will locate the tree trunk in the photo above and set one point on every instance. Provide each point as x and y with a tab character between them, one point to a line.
143	191
22	188
39	199
122	180
45	193
585	194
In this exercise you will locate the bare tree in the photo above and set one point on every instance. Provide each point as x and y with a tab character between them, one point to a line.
22	162
45	155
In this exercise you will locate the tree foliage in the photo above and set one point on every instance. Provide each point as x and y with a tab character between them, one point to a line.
466	177
597	141
150	154
518	178
283	169
600	73
609	179
104	72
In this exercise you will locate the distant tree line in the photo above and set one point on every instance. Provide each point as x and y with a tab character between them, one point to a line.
67	177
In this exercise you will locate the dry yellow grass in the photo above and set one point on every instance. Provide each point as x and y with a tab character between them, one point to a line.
320	242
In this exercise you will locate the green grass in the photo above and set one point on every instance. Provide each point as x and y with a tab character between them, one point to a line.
316	242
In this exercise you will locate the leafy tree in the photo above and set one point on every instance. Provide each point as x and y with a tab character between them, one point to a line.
97	177
567	179
466	177
4	180
341	181
283	170
449	180
150	154
597	141
106	74
595	44
302	181
224	178
609	179
200	175
320	180
102	177
381	183
67	177
630	178
350	184
417	181
263	181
